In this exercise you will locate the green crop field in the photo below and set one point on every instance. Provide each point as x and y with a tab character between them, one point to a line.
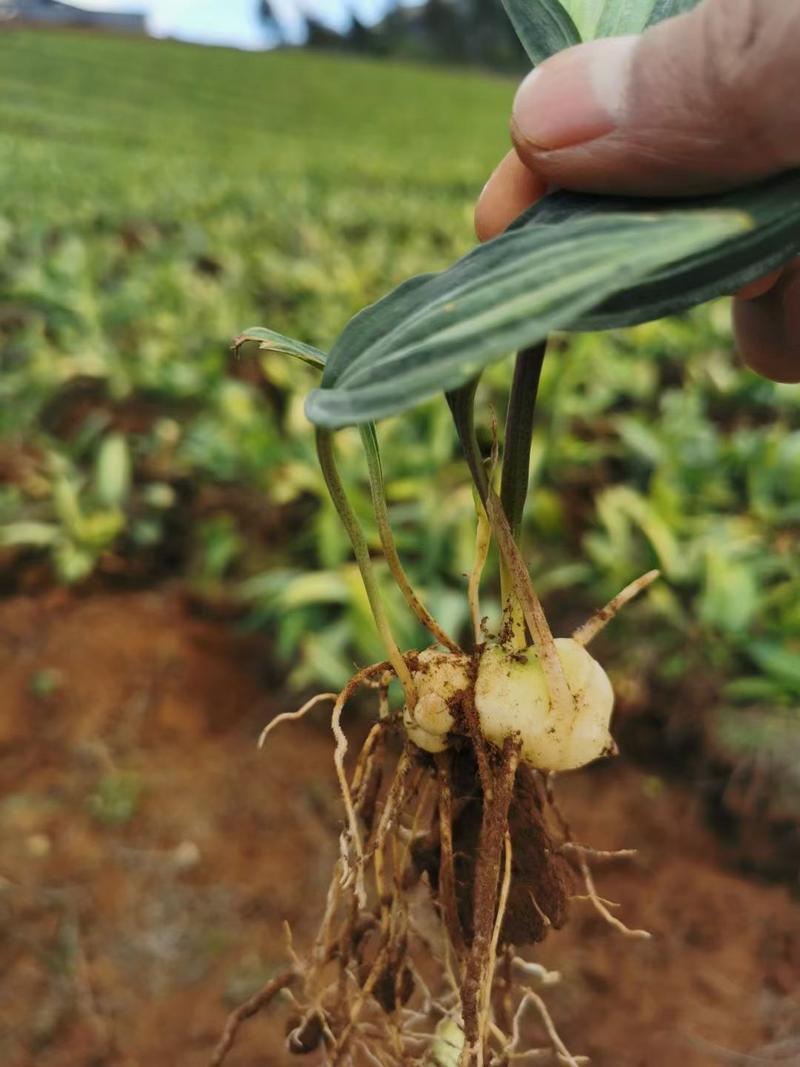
302	170
158	198
112	112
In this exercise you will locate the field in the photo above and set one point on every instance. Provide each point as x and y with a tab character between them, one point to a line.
172	574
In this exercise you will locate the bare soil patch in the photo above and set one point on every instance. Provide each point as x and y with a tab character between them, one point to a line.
149	855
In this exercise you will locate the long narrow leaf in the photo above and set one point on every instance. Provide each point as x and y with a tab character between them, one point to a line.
623	16
432	335
369	439
270	341
611	18
544	27
773	205
666	9
585	14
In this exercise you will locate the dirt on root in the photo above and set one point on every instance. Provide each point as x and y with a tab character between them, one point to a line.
541	880
149	856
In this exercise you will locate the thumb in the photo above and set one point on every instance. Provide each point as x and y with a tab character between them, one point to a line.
701	102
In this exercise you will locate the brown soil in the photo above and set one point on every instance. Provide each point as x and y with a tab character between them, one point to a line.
149	855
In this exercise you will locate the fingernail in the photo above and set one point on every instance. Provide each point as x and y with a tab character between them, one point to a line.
576	96
761	286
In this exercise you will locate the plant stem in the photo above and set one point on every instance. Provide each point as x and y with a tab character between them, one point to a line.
519	433
483	539
462	407
379	506
561	699
516	469
327	462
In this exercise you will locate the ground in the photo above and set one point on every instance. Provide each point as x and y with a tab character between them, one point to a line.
150	855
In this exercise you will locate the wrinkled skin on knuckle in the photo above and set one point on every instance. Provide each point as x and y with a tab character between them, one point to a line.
750	52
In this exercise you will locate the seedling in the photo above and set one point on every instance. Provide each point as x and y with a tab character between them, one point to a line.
454	852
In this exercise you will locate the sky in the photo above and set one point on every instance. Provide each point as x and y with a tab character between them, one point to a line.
235	22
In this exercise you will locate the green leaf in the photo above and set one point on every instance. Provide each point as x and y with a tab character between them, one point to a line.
269	341
720	268
586	15
619	17
113	471
434	333
544	27
755	690
778	662
667	9
621	502
730	597
612	18
67	505
32	534
72	563
321	587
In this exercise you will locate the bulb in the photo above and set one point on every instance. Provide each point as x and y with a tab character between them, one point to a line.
512	698
439	677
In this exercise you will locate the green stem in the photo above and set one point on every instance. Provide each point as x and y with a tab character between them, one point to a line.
462	407
520	582
517	578
483	539
370	441
327	462
516	470
519	433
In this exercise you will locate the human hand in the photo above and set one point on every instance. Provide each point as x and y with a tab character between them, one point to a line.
701	103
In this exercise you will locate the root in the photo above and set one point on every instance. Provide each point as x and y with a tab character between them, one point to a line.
447	875
560	1049
347	799
601	906
245	1011
392	805
483	539
580	852
368	773
444	862
599	854
494	828
338	759
480	747
288	716
592	627
488	975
